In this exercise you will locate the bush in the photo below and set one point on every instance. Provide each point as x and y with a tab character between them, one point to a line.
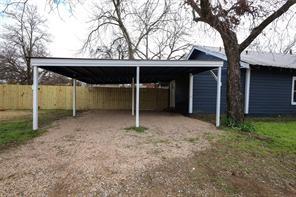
245	126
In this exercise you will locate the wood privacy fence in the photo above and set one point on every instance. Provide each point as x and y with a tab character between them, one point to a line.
60	97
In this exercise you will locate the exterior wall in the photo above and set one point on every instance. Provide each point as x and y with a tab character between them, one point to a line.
205	92
270	91
205	87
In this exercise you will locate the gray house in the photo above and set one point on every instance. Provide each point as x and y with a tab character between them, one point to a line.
268	83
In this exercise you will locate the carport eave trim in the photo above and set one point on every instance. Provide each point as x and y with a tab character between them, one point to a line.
58	62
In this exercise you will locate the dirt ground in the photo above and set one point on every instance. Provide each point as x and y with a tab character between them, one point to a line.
12	114
93	154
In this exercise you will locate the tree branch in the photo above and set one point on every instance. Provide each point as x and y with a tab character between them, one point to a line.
257	30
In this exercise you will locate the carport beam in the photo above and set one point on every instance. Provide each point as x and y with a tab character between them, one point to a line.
138	97
74	97
218	103
35	98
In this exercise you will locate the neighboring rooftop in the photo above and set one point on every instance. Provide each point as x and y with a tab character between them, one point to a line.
254	57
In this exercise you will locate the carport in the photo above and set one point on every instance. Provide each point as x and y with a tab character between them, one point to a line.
102	71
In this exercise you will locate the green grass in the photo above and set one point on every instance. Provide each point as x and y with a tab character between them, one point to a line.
282	134
257	163
277	134
19	130
248	164
136	129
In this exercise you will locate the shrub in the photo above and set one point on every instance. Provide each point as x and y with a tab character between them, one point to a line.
245	126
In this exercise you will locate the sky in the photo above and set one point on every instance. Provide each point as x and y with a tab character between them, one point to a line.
69	29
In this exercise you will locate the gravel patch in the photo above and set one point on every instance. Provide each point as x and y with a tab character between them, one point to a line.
94	154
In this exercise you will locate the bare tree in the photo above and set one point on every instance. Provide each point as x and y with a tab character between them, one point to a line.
290	45
145	30
24	37
225	17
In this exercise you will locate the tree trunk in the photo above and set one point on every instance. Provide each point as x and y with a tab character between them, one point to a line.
234	95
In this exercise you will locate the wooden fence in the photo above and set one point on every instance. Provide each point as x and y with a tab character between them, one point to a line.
60	97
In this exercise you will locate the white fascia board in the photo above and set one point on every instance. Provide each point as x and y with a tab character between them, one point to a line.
61	62
190	53
215	54
244	65
219	55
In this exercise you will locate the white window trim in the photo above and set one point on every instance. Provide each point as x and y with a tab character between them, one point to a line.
293	91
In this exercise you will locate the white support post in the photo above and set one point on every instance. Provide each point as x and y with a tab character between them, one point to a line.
138	97
133	96
247	89
218	102
190	106
74	97
35	98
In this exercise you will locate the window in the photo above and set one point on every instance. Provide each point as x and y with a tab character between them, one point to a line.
294	91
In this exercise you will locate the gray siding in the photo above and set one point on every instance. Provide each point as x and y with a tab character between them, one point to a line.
270	91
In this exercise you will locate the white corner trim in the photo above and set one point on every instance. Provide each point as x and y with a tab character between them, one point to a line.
247	89
293	91
190	106
218	98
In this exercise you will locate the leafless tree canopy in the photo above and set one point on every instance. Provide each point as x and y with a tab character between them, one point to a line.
23	37
153	29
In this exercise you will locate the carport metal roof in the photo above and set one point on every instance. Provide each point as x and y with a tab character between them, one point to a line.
105	71
102	71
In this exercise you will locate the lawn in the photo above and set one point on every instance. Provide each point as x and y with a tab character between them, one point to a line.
259	163
281	133
19	129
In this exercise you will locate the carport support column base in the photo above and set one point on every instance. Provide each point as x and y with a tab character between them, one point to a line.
218	102
35	98
138	97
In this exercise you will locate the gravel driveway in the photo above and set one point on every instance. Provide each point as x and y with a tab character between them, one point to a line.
94	154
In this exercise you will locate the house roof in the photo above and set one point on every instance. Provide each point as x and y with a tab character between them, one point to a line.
279	60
